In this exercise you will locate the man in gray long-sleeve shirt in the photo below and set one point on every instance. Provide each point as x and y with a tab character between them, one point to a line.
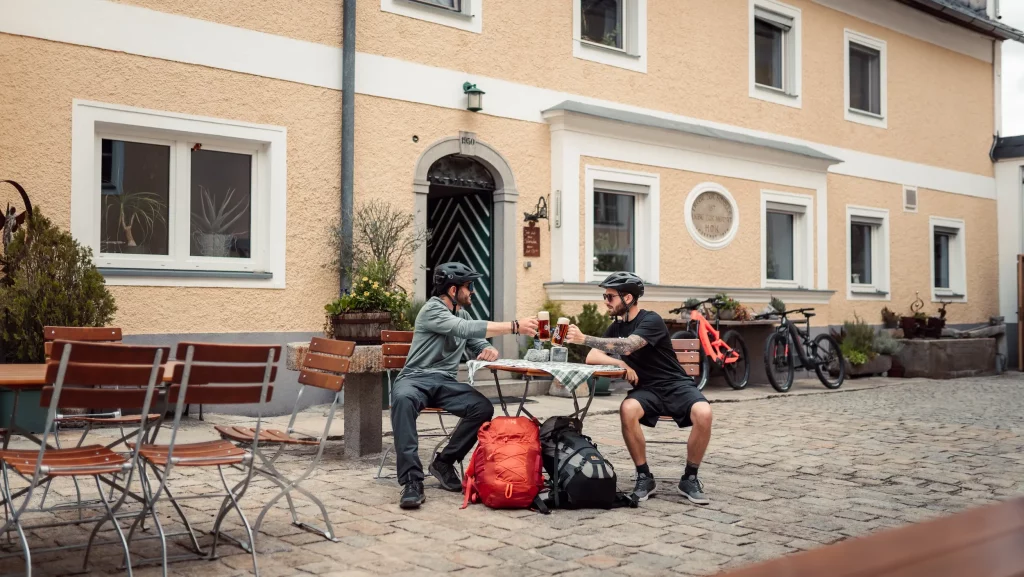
443	332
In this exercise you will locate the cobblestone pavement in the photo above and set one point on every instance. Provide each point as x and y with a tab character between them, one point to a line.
783	474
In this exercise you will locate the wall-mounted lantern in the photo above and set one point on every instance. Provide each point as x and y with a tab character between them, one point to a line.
474	97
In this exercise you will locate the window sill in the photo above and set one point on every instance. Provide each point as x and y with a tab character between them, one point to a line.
868	293
775	95
610	56
947	295
442	10
866	118
162	273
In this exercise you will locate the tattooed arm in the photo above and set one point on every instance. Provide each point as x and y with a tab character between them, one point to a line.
620	347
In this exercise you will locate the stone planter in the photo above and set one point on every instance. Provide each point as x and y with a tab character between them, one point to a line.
726	315
876	366
947	358
361	328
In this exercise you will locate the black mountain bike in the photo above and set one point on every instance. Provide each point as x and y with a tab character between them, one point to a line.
728	352
790	348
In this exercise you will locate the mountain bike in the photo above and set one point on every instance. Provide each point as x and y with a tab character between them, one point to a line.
728	352
790	348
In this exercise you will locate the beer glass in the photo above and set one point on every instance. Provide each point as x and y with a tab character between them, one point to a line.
543	326
561	330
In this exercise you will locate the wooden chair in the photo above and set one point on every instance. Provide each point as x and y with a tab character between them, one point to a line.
395	351
210	374
323	367
72	383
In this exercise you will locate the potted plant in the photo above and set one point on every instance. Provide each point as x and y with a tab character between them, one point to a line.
50	281
728	308
777	304
212	223
136	214
858	343
384	238
890	319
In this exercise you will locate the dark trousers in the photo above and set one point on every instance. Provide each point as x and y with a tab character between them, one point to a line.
411	395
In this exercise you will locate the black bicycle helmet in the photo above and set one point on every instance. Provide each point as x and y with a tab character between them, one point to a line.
452	273
625	283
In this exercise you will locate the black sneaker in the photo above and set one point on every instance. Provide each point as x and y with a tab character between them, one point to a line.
645	486
446	475
691	488
412	495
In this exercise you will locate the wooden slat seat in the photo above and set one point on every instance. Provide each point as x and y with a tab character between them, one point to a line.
242	434
688	354
80	461
205	454
122	420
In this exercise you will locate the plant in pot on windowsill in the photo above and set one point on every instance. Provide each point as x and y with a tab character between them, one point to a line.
728	308
212	223
137	215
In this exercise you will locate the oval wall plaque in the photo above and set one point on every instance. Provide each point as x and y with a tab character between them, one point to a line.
711	215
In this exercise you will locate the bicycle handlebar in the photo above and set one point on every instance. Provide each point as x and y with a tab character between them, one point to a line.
783	314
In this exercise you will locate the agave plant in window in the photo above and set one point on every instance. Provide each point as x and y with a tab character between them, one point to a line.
211	224
137	214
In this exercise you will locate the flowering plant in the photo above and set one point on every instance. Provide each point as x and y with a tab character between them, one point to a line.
369	295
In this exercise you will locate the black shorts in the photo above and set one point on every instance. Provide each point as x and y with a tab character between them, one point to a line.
674	402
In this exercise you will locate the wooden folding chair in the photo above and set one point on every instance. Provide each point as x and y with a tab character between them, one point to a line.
210	374
323	367
72	383
395	351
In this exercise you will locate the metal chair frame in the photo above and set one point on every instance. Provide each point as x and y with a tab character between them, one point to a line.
395	351
230	367
323	367
83	385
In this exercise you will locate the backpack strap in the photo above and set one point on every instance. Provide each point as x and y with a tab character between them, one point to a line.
541	505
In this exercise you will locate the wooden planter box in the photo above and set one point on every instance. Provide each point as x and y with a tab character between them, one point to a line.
362	328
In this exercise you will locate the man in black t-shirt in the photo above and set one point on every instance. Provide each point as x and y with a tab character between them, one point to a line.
641	341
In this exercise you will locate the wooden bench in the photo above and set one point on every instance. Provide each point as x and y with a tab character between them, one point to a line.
981	542
394	352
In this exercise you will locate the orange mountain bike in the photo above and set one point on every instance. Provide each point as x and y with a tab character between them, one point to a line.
728	352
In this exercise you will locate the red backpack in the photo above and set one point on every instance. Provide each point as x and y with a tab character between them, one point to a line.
506	470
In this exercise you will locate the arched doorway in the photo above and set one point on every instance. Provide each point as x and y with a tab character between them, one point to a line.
504	198
461	220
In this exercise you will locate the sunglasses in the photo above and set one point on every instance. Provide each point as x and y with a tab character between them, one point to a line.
608	298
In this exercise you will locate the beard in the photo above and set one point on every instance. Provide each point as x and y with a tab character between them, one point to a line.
617	310
465	299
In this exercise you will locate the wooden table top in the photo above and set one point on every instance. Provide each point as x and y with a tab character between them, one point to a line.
981	542
33	375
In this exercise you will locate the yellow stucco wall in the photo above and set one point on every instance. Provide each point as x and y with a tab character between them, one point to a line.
910	249
42	78
697	66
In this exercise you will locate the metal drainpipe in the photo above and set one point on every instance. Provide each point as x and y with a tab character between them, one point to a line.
348	115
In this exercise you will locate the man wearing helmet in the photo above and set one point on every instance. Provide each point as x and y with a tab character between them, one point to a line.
642	344
443	332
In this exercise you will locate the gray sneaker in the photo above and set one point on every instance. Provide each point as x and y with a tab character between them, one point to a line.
645	486
691	488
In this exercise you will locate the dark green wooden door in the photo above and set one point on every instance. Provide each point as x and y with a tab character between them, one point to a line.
461	231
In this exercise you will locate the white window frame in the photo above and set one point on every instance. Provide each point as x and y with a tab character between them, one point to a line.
692	228
645	187
957	291
93	121
878	218
632	55
801	206
470	18
792	65
860	116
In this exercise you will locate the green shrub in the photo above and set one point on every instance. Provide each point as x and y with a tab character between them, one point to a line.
371	294
858	341
886	344
778	305
591	322
728	304
51	282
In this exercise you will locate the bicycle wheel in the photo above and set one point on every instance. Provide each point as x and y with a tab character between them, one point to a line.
736	374
778	362
828	361
705	362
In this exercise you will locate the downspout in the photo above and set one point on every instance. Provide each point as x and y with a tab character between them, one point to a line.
348	115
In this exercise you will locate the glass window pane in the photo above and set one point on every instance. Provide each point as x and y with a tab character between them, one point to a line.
614	234
135	197
780	245
942	261
601	22
221	197
455	5
767	54
865	79
860	253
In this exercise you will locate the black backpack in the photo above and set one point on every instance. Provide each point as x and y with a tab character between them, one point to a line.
580	477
